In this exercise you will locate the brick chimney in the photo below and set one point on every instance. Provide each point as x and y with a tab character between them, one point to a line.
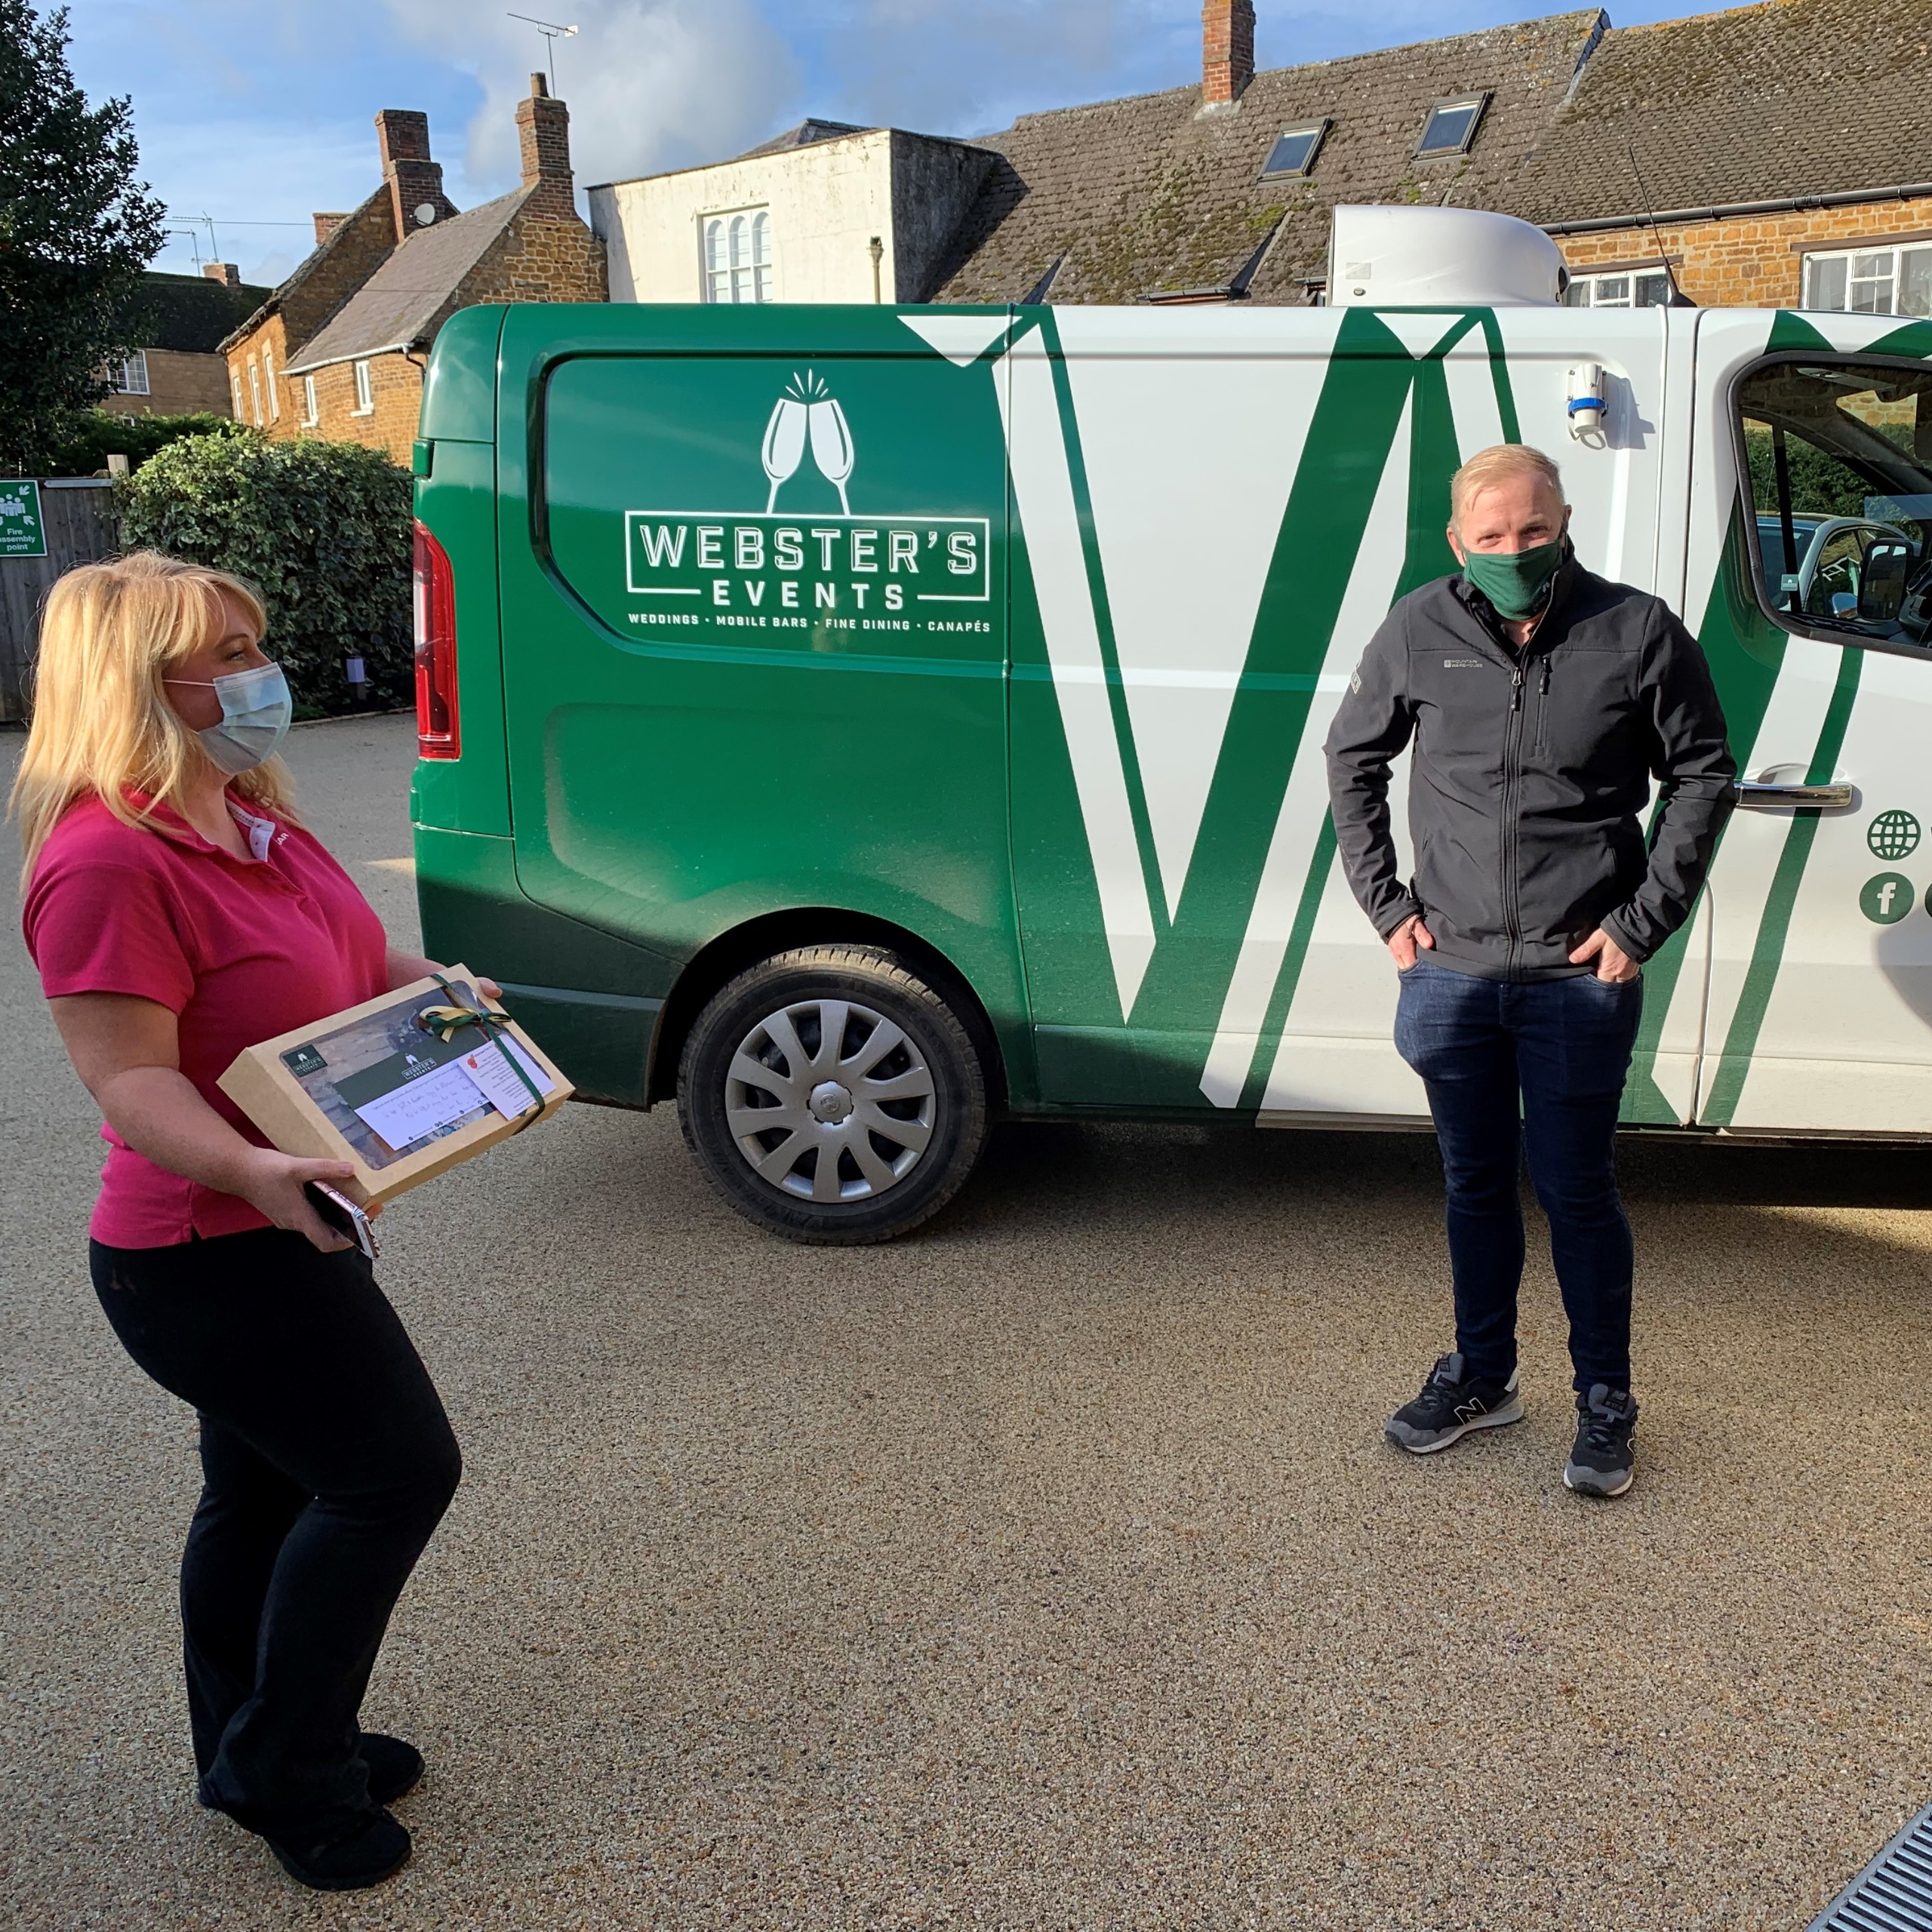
227	273
543	133
326	225
415	182
1227	51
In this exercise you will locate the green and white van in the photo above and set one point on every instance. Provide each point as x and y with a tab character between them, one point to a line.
857	722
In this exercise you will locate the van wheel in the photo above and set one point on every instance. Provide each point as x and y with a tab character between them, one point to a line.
833	1097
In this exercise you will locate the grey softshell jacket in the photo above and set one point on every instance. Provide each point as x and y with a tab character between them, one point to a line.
1531	775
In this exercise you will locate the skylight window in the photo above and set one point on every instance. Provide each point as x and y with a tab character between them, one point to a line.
1451	126
1295	150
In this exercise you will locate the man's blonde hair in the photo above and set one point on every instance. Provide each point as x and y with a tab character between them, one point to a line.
103	727
1495	465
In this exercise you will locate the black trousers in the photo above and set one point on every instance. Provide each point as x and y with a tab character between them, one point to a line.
327	1461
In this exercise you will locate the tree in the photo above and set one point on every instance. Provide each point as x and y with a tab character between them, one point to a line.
324	530
76	231
96	434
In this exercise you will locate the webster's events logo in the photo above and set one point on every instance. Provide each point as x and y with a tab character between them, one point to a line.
765	568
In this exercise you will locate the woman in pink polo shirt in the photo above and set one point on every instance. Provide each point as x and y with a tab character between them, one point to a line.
178	912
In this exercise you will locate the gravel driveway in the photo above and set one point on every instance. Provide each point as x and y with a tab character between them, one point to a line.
1046	1569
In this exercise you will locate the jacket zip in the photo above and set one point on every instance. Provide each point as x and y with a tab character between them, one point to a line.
1543	709
1513	735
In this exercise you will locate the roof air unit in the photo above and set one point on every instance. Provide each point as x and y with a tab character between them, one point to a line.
1440	258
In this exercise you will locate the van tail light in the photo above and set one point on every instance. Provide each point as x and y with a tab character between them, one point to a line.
439	733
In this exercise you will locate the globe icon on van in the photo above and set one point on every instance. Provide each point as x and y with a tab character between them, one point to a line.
1893	834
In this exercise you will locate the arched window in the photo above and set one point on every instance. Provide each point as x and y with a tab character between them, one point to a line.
737	257
762	257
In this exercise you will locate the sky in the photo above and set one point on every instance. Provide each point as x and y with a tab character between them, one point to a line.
256	115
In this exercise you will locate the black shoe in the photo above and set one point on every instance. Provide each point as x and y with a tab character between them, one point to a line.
351	1857
1603	1459
396	1768
1450	1406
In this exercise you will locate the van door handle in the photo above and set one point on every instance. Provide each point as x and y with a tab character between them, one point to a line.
1750	797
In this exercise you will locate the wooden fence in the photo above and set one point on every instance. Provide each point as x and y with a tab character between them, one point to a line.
77	515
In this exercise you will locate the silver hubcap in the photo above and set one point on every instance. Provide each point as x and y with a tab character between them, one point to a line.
829	1100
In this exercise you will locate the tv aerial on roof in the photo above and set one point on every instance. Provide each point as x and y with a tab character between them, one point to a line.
552	34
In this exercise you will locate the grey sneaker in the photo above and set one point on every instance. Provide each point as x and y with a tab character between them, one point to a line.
1603	1460
1451	1404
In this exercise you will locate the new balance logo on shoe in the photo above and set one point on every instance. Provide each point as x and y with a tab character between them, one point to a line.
1452	1402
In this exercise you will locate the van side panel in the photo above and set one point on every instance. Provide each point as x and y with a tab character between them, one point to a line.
754	598
1216	510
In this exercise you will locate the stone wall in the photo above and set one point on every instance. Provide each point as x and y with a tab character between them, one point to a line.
540	259
395	387
264	346
178	384
934	185
1750	261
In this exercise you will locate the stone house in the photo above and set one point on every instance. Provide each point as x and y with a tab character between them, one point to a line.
1783	149
1785	153
178	369
337	351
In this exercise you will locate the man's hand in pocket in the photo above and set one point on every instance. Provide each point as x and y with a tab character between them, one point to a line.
1408	937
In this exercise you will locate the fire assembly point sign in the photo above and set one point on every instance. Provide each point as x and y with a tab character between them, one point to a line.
22	533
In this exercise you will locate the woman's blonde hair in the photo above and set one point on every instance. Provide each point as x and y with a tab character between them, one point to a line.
102	728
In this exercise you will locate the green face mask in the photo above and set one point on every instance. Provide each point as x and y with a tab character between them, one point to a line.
1514	585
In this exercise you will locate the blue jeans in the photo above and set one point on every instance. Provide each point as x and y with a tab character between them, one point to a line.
1542	1063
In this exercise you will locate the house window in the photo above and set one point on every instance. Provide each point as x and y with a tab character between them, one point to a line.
268	376
309	417
1295	150
1627	288
1451	125
737	257
365	398
235	384
255	390
128	375
1871	281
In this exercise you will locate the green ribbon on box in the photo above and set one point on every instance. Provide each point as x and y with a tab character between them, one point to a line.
446	1021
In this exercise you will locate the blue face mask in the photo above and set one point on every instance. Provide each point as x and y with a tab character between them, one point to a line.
255	709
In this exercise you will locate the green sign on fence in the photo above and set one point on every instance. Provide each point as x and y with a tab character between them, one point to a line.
22	533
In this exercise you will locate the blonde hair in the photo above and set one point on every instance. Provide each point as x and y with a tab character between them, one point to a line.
102	728
1491	466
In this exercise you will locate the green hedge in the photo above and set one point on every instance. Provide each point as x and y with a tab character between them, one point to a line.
322	529
100	433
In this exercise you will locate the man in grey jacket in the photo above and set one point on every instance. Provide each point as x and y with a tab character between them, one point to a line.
1540	701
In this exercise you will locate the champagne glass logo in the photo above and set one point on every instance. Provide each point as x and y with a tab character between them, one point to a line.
807	409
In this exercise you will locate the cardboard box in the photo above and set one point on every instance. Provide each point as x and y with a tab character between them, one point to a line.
327	1090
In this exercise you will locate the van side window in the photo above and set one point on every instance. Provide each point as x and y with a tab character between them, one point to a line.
1839	459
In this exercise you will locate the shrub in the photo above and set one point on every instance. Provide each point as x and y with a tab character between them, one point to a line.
100	433
323	530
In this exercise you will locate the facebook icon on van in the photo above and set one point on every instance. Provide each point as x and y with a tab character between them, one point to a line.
1887	899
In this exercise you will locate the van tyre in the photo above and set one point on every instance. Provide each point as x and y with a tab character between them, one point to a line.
833	1097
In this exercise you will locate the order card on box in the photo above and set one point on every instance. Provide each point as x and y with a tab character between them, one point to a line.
405	1086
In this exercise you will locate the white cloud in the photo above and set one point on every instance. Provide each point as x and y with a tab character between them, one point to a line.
650	83
936	66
